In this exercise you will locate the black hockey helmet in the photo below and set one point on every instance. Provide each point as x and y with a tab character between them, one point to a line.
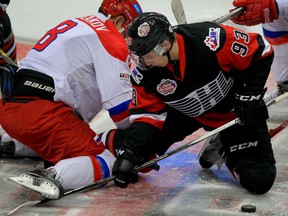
148	30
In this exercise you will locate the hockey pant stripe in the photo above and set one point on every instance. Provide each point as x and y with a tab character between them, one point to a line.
100	167
104	167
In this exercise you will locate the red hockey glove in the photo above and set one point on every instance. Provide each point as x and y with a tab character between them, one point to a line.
257	11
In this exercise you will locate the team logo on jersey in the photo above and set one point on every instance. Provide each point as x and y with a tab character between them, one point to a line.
143	29
212	41
166	87
124	76
136	75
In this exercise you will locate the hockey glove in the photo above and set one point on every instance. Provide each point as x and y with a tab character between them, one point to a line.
257	11
7	80
250	107
123	168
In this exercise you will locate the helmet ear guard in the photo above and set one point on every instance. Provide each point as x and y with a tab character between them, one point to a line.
128	8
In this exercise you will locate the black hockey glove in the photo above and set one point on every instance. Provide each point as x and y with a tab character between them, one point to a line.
7	80
250	107
123	168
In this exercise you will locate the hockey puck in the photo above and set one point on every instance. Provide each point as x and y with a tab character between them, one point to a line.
248	208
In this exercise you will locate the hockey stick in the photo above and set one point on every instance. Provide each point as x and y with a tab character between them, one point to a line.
179	14
176	150
148	163
145	165
211	133
275	131
178	11
228	16
275	100
7	58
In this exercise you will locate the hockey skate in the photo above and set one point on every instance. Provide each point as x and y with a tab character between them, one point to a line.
280	89
209	154
41	181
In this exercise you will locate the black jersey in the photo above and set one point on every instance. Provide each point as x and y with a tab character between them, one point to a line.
215	62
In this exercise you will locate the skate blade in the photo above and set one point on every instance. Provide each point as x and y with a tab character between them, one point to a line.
219	165
45	188
206	144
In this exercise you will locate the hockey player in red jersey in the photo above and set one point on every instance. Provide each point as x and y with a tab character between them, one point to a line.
75	70
193	76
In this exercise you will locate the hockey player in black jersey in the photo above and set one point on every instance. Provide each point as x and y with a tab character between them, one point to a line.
193	76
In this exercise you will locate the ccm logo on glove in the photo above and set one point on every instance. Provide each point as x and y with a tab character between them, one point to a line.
248	97
243	146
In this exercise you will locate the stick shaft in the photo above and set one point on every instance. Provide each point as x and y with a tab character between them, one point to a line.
7	58
178	11
228	16
275	131
176	150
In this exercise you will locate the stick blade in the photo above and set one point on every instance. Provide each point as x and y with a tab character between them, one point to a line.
30	203
178	11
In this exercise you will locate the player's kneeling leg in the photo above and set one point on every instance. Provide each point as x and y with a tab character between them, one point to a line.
84	170
68	174
257	178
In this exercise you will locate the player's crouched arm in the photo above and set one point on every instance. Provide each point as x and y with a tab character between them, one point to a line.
134	152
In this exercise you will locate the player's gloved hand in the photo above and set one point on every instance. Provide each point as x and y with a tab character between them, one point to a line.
7	80
123	168
250	107
257	11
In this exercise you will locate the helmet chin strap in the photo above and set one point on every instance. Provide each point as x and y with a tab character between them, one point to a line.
169	57
168	54
120	30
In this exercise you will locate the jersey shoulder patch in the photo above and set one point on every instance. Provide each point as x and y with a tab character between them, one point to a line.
137	76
